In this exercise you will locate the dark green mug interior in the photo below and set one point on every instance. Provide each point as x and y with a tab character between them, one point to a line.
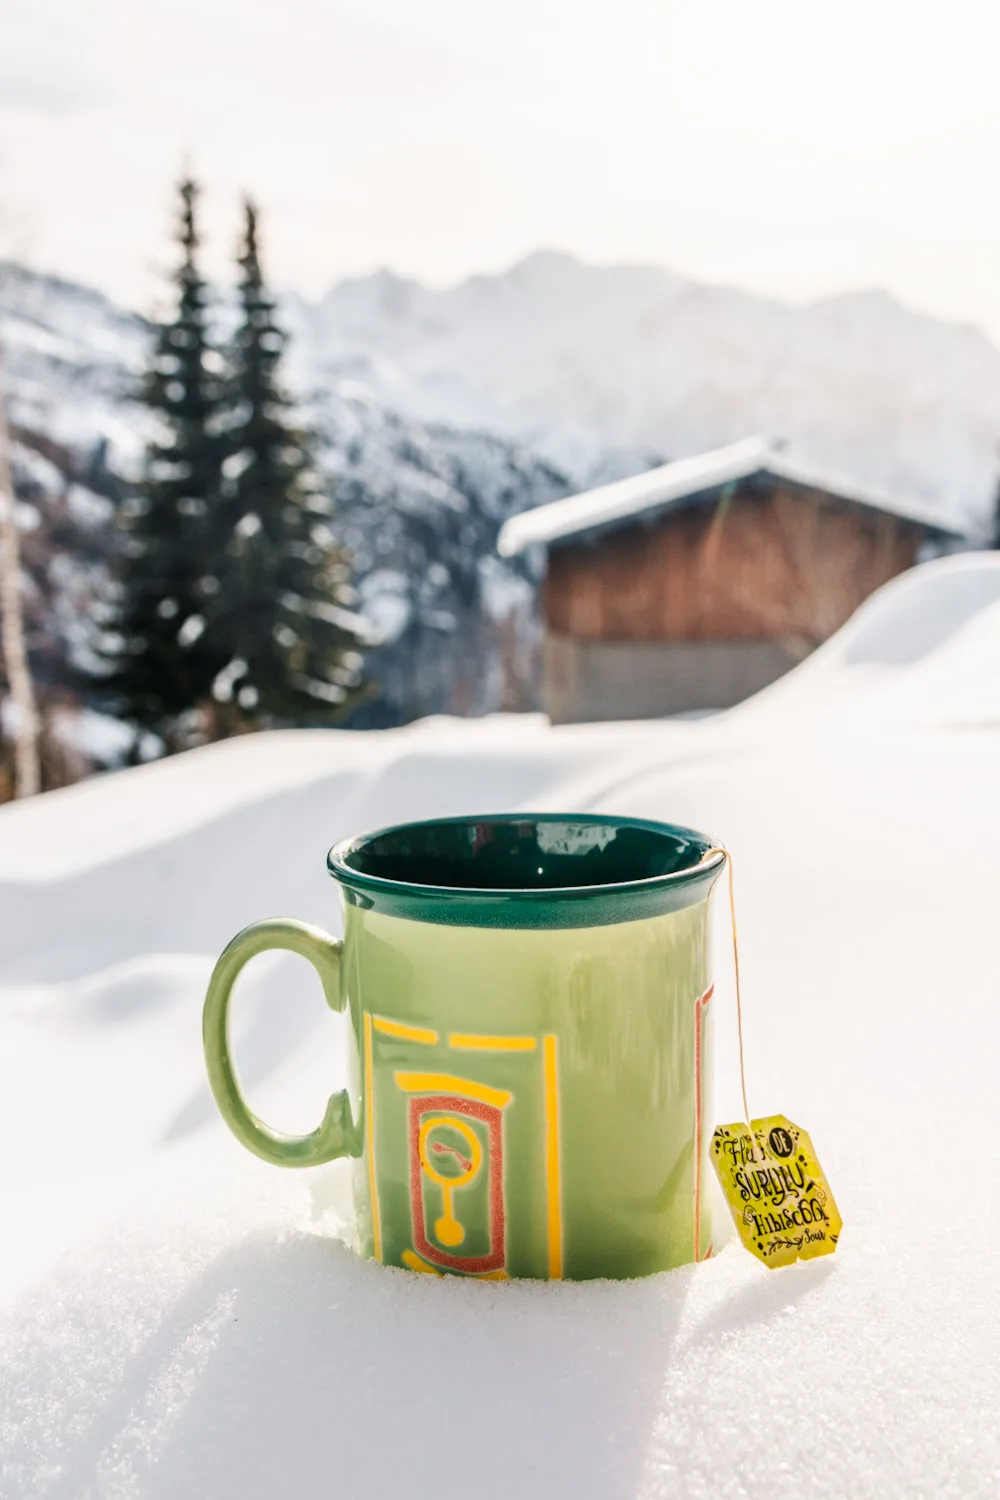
519	852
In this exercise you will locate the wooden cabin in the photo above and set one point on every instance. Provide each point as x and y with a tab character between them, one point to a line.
697	583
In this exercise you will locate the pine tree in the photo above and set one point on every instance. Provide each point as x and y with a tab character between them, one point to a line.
280	616
163	666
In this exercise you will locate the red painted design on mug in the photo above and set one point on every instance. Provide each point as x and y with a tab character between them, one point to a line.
443	1105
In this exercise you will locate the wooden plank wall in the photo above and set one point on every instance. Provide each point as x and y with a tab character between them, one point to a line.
782	564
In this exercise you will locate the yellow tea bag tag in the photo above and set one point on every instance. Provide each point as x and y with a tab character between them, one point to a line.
777	1194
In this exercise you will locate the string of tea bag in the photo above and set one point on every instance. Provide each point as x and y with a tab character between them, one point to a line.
770	1177
727	856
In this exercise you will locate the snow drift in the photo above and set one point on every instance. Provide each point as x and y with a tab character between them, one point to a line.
182	1320
925	648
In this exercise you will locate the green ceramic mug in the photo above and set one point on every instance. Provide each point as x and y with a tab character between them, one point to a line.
529	1043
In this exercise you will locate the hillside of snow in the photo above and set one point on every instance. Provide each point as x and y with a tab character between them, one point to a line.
73	362
600	370
180	1319
603	369
440	414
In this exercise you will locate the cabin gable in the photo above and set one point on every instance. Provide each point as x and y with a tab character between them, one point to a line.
695	584
762	562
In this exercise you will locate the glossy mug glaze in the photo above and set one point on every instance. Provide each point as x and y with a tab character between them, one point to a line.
530	1041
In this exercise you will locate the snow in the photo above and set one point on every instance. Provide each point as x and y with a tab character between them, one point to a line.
603	371
386	605
33	467
100	738
924	648
73	362
578	360
182	1320
669	484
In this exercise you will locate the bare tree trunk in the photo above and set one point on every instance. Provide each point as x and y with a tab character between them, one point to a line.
27	777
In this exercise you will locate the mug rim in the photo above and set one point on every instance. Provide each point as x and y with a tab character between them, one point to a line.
355	880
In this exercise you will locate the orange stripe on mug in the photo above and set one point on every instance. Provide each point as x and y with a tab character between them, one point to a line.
552	1163
370	1143
404	1032
473	1042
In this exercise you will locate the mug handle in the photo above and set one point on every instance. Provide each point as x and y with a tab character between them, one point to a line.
334	1136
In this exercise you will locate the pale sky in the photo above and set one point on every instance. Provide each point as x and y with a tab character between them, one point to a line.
794	147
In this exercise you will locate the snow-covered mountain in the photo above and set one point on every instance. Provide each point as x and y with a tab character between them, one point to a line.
592	365
441	413
73	361
419	507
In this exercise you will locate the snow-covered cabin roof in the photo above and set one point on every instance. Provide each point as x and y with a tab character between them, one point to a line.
690	480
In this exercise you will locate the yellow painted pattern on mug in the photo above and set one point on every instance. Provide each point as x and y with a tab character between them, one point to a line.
404	1033
412	1260
370	1108
473	1042
444	1083
552	1184
448	1230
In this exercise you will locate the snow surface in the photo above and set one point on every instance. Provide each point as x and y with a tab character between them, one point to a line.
181	1320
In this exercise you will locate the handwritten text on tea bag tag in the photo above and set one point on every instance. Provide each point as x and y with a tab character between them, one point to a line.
781	1203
